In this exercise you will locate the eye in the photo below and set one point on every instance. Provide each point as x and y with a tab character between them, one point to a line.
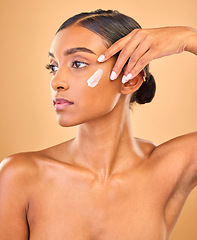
78	64
51	67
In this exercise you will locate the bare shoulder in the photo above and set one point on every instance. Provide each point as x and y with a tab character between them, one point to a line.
20	168
16	176
18	165
184	146
179	157
25	170
28	164
22	176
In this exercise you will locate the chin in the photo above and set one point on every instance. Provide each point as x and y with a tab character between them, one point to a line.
68	122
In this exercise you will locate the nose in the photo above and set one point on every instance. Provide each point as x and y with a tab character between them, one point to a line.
58	82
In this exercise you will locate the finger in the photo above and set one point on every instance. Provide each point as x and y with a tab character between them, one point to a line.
113	49
120	62
141	63
124	55
137	54
117	46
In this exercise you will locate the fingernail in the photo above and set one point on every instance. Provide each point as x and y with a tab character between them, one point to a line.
129	76
113	75
124	79
101	58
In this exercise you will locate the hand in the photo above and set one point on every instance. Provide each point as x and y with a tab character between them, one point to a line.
144	45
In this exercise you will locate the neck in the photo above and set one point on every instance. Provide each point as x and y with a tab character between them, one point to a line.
106	145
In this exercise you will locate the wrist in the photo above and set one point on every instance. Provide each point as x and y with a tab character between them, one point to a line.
191	41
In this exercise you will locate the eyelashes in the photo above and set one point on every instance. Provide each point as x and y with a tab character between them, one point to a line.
51	67
75	64
79	64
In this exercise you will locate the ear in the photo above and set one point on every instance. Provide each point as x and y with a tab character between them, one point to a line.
134	84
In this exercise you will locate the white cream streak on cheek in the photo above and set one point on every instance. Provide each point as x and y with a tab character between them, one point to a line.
95	78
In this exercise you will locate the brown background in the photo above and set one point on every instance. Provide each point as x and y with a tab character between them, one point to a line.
28	121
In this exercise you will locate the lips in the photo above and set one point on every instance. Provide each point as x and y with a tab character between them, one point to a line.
61	103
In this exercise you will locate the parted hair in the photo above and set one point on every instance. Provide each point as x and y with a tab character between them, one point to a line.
112	26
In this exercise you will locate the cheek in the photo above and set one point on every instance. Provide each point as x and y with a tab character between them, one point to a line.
99	94
91	102
95	78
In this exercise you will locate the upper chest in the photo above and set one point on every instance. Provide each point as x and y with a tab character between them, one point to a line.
79	206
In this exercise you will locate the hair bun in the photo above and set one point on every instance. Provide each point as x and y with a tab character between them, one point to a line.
146	92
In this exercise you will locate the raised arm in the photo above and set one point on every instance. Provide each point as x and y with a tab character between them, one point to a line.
142	46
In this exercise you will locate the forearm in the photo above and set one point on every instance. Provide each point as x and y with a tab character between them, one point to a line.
191	44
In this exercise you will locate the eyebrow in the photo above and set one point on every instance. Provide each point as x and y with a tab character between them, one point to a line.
74	50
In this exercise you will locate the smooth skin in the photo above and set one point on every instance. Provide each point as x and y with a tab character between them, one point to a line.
105	184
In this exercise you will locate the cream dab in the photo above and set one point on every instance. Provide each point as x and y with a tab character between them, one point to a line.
95	78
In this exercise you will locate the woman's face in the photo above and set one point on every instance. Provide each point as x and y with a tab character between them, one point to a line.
72	61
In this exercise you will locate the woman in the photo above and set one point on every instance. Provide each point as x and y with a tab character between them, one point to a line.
104	183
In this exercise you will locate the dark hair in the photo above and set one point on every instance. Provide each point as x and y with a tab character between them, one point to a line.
112	26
